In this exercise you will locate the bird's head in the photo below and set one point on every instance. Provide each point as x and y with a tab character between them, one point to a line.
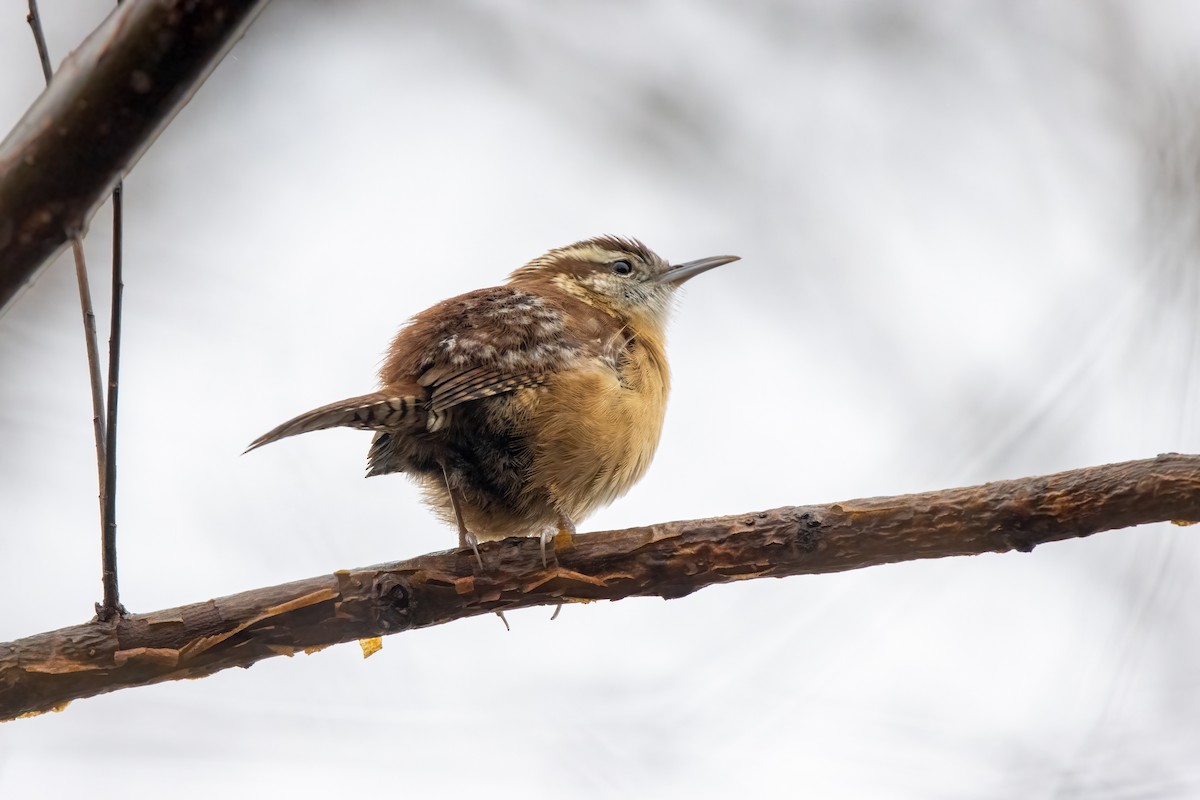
621	276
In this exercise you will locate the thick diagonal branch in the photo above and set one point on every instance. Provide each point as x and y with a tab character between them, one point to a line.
106	104
668	560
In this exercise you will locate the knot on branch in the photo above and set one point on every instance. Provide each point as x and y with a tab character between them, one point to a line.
394	598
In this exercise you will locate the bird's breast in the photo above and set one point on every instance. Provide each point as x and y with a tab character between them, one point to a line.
597	427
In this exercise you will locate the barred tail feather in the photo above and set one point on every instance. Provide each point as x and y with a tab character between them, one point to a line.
376	411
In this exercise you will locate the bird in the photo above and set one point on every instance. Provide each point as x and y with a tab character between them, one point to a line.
520	409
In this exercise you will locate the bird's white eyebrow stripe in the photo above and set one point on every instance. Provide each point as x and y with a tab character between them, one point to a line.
590	252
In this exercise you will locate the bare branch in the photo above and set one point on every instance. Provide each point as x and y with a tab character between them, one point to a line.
111	605
668	560
93	358
106	443
109	101
39	39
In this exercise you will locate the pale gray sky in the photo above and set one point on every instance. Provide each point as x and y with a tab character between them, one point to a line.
969	252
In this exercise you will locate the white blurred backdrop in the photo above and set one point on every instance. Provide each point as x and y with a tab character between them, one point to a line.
970	235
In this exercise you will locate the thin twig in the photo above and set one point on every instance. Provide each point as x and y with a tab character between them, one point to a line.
111	607
105	433
112	604
85	290
39	39
93	357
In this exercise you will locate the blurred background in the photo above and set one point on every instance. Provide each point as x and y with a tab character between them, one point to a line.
970	235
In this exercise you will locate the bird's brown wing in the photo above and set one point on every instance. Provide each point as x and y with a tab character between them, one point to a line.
485	343
476	383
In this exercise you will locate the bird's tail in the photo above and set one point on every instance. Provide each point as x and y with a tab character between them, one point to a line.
377	411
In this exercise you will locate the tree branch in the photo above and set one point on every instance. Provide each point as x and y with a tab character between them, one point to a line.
670	560
106	105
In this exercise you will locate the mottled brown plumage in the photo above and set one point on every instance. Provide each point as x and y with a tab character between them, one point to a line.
522	408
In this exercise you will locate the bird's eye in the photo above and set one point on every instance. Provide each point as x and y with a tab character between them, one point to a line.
622	267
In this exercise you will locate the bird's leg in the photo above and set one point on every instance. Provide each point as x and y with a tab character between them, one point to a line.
465	537
547	535
565	525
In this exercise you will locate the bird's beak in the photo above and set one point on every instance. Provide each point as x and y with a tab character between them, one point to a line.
681	272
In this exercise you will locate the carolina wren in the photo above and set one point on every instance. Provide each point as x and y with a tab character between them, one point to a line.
522	408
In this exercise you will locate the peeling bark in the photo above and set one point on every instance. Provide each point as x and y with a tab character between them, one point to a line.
669	560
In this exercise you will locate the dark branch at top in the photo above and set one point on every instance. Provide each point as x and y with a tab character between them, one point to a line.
103	109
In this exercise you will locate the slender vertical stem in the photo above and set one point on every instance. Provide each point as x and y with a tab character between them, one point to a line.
111	607
112	603
93	357
105	429
39	39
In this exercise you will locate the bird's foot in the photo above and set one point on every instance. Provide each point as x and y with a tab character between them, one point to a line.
546	537
551	533
467	539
